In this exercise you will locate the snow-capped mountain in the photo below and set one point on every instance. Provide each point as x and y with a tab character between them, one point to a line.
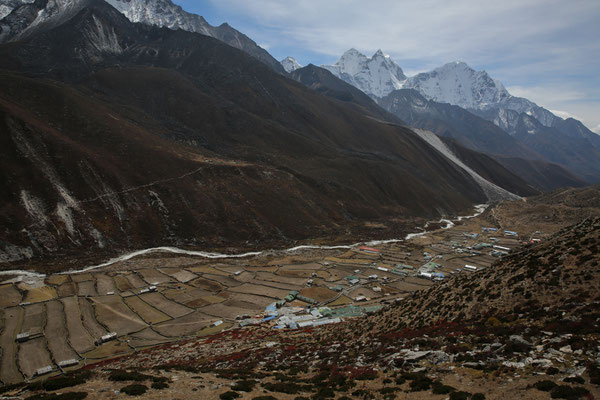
165	13
290	64
24	17
161	13
454	83
376	76
458	84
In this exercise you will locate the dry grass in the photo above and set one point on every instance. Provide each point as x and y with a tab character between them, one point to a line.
44	293
148	313
107	350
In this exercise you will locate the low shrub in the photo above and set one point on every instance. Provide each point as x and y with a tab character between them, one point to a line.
363	394
574	379
122	376
134	390
69	380
568	392
244	385
418	381
324	393
478	396
286	387
545	386
594	373
419	385
367	376
63	396
159	385
552	371
176	367
160	379
62	382
229	395
459	395
440	388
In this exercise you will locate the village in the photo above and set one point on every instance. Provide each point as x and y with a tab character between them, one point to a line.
65	321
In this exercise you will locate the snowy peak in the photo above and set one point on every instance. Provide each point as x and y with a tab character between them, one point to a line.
458	84
21	18
161	13
376	76
351	62
24	18
165	13
290	64
378	53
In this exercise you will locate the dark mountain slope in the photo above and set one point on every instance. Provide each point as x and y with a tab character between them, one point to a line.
327	84
455	122
88	178
541	174
481	135
489	168
170	137
574	128
578	154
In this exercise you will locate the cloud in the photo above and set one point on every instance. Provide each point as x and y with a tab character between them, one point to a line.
565	114
597	129
426	29
544	50
547	95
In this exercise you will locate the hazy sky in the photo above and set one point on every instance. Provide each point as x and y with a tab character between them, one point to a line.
545	50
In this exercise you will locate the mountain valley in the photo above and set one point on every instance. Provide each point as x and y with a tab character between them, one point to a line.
429	340
182	216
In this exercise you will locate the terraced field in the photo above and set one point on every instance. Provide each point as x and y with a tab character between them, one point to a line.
9	371
57	334
33	355
163	298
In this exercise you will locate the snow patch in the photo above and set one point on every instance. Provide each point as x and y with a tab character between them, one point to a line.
104	38
34	207
491	190
64	213
98	237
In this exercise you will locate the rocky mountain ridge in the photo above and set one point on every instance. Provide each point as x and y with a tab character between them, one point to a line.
23	18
